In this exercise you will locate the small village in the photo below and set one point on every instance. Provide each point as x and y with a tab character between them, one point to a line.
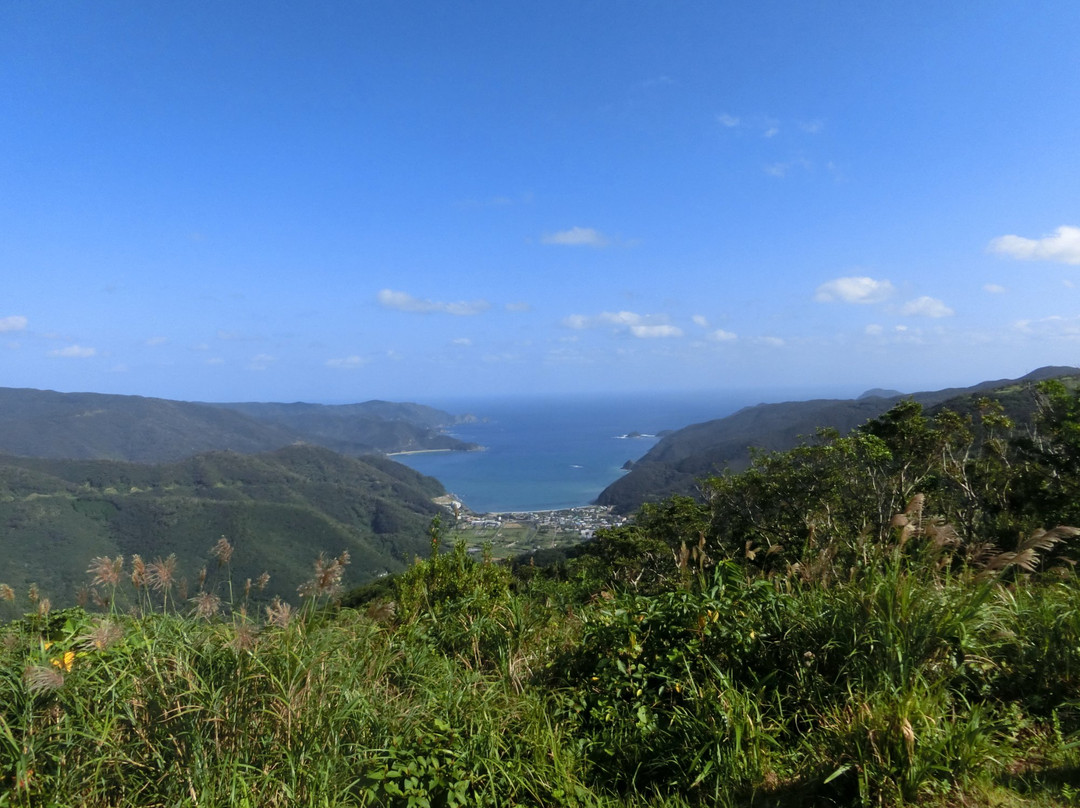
516	532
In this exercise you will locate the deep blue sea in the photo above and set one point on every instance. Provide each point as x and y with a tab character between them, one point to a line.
558	452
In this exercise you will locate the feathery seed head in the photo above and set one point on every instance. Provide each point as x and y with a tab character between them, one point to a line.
161	573
101	637
43	678
222	551
206	604
138	572
106	571
244	637
327	579
279	613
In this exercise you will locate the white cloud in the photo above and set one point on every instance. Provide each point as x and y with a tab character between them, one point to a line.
772	131
772	342
655	331
215	360
1063	245
926	307
74	352
699	319
346	362
814	127
994	289
874	329
853	290
154	341
518	307
776	169
576	321
261	361
643	326
616	318
1053	327
14	322
463	341
403	301
720	335
728	121
621	318
576	237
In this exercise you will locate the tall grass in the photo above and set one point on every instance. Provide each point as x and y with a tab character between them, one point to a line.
902	682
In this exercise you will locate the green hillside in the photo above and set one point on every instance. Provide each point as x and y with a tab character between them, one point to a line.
279	509
44	423
684	457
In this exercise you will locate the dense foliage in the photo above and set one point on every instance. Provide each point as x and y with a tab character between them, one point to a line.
279	509
885	618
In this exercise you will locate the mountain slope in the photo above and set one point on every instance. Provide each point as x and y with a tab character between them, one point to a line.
43	423
679	460
360	428
279	509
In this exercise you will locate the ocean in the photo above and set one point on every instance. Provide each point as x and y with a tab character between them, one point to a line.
557	452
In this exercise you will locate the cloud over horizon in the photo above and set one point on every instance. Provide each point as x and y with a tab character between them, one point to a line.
403	301
1062	246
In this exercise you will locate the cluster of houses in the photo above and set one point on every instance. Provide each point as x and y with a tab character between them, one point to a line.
584	520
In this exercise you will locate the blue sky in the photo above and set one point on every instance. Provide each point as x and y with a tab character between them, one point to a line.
337	201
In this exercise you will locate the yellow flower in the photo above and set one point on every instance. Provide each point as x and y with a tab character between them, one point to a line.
65	662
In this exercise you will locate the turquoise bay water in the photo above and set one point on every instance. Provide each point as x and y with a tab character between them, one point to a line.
559	452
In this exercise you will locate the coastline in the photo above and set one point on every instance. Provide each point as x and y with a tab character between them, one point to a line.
418	451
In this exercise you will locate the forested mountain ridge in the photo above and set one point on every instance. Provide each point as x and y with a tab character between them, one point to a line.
281	509
44	423
682	458
382	426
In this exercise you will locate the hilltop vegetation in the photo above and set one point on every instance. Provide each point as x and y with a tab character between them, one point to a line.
685	456
886	617
280	509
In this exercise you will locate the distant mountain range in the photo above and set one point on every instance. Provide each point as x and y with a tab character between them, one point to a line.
279	509
683	457
43	423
